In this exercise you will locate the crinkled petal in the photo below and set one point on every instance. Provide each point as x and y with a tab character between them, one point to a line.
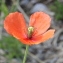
15	25
39	39
40	21
42	38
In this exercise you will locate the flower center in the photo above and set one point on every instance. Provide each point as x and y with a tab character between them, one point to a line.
30	31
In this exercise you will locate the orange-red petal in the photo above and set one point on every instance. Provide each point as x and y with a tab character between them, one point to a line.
40	21
39	39
47	35
15	25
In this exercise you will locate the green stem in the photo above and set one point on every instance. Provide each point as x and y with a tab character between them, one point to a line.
26	51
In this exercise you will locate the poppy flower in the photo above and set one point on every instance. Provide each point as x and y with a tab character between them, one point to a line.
36	32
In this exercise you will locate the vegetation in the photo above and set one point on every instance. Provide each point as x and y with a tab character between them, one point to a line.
12	47
57	7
